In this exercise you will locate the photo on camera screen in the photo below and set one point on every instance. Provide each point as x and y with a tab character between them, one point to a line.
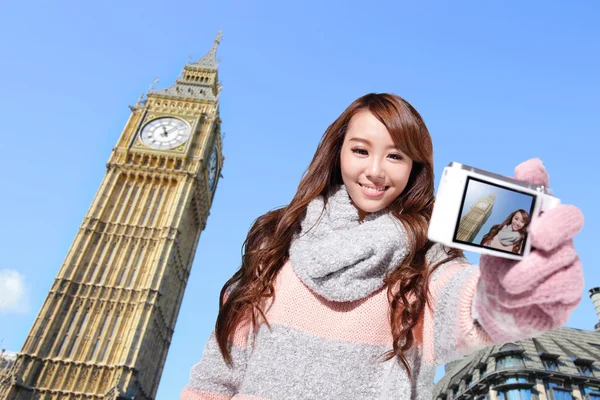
493	216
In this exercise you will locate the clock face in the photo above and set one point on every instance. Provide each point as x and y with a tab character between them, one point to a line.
212	169
165	133
482	205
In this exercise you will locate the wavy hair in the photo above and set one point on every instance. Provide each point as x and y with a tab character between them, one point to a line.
265	249
496	228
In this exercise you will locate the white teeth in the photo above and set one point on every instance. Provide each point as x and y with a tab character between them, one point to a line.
378	189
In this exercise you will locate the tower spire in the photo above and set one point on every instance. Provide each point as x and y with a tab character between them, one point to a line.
197	80
209	60
595	296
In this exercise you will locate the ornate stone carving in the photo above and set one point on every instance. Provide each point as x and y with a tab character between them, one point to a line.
94	376
60	374
70	378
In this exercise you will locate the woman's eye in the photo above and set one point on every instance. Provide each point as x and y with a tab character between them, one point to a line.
362	152
396	157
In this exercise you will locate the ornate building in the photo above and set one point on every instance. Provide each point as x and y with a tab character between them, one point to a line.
104	329
559	365
471	223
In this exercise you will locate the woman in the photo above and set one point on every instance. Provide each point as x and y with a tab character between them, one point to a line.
510	234
341	296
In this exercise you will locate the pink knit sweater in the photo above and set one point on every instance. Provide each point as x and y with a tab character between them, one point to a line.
318	349
323	349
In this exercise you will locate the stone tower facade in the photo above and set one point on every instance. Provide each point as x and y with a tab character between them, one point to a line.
105	327
471	223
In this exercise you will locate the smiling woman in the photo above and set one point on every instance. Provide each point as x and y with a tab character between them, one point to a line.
345	273
374	168
510	234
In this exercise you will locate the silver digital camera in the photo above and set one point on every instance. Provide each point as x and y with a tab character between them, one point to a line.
486	213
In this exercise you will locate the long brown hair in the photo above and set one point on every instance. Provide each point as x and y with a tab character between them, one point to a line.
496	228
265	249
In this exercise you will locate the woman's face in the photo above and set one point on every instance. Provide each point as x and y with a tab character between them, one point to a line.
374	170
518	222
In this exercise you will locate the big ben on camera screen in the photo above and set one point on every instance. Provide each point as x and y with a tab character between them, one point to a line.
105	327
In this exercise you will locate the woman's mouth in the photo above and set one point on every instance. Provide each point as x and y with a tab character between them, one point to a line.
373	191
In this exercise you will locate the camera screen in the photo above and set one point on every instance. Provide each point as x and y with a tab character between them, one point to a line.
493	216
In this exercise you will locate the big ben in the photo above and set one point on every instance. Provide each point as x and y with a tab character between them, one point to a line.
474	219
105	327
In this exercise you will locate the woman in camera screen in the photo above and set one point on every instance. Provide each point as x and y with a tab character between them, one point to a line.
510	234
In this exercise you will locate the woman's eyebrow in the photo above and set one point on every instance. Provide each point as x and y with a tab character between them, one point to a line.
362	140
357	139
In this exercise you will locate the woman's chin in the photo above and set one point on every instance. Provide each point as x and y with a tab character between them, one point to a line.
368	208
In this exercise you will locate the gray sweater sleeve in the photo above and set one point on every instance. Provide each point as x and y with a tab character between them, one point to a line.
211	378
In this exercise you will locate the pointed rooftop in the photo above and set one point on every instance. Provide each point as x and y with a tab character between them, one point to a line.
209	60
198	80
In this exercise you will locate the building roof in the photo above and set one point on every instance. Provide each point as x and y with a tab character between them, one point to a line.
209	60
568	346
183	90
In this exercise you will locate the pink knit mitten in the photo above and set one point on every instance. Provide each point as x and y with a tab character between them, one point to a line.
519	299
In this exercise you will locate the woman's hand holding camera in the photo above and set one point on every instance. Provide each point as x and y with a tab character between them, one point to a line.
517	299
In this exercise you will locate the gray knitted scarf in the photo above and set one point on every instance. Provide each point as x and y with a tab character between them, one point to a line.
507	236
341	259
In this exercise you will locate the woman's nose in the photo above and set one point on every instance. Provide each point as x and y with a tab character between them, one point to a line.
374	170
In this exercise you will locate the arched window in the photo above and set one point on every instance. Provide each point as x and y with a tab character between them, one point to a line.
557	390
584	369
510	347
592	392
550	364
514	388
510	360
509	355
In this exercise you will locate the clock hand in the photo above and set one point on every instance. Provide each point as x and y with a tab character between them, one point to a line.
167	132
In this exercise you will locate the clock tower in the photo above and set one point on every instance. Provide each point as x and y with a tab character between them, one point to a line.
471	222
105	327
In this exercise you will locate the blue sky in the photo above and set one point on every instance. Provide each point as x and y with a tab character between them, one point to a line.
496	82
